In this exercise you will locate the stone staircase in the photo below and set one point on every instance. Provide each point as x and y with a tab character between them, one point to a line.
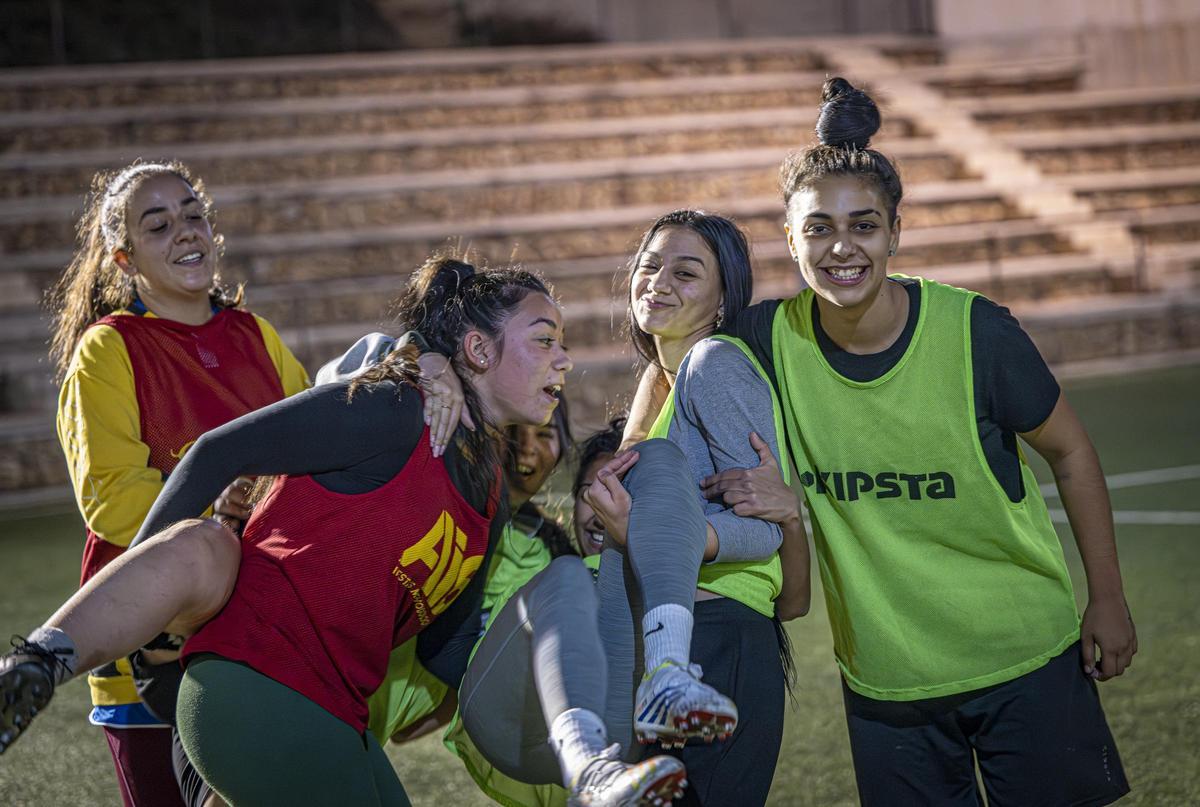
335	176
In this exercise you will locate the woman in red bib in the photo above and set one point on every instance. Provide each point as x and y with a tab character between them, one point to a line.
152	351
365	539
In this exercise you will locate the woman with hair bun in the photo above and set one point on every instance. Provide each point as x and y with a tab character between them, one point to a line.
953	616
364	539
152	351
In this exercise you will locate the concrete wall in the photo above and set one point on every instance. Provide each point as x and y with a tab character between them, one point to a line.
1122	42
987	18
648	20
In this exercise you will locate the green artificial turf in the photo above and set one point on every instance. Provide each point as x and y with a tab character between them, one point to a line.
1138	422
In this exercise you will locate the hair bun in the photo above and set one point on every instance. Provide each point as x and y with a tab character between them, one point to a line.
442	275
848	118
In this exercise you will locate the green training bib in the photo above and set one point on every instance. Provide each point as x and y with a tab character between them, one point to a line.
936	583
752	583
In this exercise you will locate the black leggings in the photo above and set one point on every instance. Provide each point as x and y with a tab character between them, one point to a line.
739	651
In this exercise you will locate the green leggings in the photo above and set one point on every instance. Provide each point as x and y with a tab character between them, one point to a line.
256	742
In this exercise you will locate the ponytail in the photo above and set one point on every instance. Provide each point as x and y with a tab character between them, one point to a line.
445	298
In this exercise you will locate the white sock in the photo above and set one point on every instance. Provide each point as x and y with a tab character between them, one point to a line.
667	635
577	736
61	645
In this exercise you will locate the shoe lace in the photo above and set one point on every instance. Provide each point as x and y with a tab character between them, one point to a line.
603	769
22	646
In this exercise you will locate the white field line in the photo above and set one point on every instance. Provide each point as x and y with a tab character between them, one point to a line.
1181	518
1135	478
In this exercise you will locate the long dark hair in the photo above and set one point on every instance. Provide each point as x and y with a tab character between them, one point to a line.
445	298
732	250
848	120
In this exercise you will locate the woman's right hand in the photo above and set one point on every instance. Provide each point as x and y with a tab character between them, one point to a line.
233	506
445	404
608	497
755	492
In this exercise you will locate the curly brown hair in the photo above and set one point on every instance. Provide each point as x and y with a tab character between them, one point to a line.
92	286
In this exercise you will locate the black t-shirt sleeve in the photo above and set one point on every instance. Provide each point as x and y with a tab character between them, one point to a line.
349	445
1014	387
754	327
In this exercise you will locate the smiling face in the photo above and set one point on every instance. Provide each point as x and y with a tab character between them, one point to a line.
839	234
588	529
521	373
675	291
535	452
172	254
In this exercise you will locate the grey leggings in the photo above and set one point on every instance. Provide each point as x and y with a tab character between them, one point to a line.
562	643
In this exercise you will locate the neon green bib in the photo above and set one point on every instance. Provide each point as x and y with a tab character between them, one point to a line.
935	582
409	692
752	583
517	559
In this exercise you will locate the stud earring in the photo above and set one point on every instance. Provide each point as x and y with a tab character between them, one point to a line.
891	252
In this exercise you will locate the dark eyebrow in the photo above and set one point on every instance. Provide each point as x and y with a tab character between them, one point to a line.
188	201
545	320
692	258
856	213
825	216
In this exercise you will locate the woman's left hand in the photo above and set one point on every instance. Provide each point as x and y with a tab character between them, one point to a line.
445	404
755	492
608	497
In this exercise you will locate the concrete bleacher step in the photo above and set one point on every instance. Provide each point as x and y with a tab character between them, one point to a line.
670	180
396	72
1171	225
550	237
1145	189
30	456
150	126
1116	330
593	292
486	68
1117	148
1013	78
356	154
1087	108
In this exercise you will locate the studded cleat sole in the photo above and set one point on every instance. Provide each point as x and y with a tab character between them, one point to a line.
663	791
697	725
25	689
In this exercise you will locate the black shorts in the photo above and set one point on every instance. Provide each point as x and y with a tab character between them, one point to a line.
1040	739
739	651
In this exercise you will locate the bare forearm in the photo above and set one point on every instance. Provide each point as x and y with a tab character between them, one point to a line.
652	391
1084	496
796	595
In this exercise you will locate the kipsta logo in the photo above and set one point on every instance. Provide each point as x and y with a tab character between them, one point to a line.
850	486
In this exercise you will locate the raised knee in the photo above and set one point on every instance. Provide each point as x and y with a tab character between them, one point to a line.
566	582
210	549
658	450
659	460
569	572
